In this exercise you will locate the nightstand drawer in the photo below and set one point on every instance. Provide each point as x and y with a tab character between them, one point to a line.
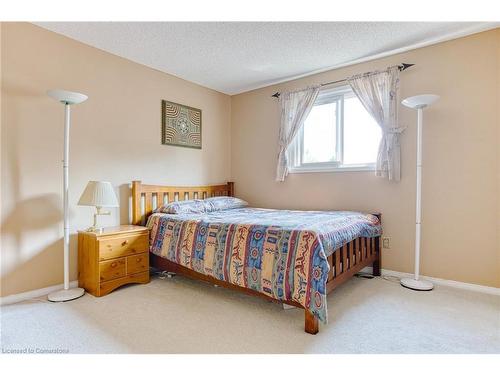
123	246
112	269
137	263
108	286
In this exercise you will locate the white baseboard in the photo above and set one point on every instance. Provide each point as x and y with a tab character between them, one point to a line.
14	298
437	281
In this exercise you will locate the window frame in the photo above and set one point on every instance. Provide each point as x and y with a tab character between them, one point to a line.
295	154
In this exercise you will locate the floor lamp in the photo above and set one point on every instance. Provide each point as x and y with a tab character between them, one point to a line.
418	102
67	98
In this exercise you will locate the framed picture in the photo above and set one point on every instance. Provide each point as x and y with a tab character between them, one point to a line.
181	125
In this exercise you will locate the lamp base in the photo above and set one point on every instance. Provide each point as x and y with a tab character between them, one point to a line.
94	229
417	284
66	295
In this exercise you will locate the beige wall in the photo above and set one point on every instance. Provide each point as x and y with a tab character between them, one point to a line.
461	185
498	152
115	136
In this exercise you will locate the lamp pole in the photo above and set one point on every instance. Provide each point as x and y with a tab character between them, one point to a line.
67	113
67	98
418	102
418	206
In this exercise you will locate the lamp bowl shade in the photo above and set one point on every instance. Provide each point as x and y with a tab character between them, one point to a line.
420	101
98	194
67	97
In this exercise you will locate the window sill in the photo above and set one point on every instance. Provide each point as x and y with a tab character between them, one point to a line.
351	168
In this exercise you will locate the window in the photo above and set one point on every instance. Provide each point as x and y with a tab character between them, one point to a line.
338	135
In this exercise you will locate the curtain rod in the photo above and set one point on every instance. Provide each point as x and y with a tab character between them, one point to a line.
401	67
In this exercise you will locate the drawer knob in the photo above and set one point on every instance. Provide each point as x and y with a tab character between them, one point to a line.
138	260
124	242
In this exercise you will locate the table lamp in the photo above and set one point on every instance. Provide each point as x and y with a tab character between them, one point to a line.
98	194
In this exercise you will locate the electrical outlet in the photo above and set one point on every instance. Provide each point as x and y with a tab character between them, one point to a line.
386	242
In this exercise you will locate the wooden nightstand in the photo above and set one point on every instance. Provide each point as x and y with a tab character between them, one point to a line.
114	257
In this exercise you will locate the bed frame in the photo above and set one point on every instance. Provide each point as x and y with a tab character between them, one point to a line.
344	263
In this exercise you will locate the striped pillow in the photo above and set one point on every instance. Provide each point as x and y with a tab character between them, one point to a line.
223	203
193	206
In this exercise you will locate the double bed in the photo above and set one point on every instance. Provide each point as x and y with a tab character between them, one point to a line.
293	257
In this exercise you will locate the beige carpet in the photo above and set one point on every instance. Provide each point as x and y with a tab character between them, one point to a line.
182	316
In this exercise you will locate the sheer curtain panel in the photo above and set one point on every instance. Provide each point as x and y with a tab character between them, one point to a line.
295	106
378	92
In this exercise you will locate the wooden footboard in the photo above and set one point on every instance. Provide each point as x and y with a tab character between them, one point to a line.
352	258
344	262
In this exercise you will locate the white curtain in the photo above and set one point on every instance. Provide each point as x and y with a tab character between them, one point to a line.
378	91
295	106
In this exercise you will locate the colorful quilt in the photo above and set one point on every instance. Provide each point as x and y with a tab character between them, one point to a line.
282	254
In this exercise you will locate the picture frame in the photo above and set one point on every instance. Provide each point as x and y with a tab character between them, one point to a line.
181	125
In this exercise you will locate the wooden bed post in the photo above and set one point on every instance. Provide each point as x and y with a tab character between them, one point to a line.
136	203
378	260
311	323
230	189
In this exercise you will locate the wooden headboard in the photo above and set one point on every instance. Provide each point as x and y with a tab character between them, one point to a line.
146	198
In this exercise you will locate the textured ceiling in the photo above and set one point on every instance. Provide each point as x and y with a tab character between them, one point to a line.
233	57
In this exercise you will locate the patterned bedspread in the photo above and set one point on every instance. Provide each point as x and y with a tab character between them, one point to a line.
282	254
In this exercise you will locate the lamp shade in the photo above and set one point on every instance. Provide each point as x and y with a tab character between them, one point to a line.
67	97
420	101
98	194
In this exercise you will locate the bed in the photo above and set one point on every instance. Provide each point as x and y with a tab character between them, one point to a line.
291	257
